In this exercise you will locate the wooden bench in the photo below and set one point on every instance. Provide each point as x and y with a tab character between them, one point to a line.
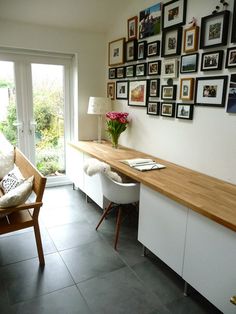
26	215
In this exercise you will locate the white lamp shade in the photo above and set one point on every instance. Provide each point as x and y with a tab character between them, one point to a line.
99	105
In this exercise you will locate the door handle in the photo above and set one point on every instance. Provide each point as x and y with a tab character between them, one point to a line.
20	126
233	299
32	125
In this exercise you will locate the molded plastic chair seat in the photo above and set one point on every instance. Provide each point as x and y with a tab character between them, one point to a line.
120	194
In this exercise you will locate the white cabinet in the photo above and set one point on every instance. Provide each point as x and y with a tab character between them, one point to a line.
89	185
162	227
210	261
74	166
92	186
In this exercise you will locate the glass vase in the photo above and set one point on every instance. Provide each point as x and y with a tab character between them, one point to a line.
114	140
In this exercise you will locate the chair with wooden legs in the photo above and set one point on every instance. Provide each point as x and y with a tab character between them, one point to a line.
26	215
120	194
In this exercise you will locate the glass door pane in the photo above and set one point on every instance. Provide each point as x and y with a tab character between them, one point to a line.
8	114
48	115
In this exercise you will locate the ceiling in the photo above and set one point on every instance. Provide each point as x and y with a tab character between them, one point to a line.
92	15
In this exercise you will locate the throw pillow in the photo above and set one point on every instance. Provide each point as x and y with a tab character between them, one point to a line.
18	195
11	180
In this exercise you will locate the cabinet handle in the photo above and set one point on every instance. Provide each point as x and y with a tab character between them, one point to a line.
233	299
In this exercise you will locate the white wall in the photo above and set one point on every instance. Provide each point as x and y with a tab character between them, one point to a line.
208	142
90	49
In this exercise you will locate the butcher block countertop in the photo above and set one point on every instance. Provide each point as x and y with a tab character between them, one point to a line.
211	197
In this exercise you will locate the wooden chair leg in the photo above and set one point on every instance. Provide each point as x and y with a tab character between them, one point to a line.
118	223
105	213
39	244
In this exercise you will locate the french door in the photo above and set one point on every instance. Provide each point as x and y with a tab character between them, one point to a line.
37	108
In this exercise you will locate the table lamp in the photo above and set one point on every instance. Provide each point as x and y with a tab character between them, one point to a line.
99	106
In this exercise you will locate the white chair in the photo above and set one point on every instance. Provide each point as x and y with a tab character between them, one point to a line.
120	194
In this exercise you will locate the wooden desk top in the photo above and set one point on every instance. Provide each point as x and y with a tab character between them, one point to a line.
211	197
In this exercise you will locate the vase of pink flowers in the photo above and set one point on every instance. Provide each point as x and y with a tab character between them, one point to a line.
116	124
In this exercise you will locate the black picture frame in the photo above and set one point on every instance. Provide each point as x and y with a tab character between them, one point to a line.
142	50
140	69
153	108
154	68
212	61
153	48
211	91
153	87
120	72
168	92
189	63
112	73
174	13
171	42
122	90
233	33
231	105
230	61
137	93
131	50
130	70
184	111
168	109
214	30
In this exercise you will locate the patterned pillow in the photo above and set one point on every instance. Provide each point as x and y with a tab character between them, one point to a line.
11	180
16	196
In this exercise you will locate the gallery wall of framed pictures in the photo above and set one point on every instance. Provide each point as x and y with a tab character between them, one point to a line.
170	65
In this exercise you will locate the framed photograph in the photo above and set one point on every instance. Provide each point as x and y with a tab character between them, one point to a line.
186	88
131	50
154	68
112	73
111	90
174	13
150	21
140	69
120	72
122	90
154	88
184	111
212	61
170	68
171	42
132	27
214	30
116	52
233	34
189	63
168	109
231	106
168	92
138	93
142	50
211	90
191	36
153	48
130	71
153	108
231	58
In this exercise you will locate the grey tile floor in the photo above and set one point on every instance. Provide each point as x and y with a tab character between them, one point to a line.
83	273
